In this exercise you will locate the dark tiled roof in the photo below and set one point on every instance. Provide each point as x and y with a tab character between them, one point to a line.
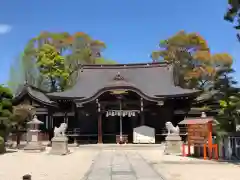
153	80
34	93
199	120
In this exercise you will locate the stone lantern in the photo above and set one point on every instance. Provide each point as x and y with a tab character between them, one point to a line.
34	144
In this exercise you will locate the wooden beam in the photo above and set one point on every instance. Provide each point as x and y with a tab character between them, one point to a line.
59	114
117	103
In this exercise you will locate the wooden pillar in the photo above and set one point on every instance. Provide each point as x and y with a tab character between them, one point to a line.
66	118
142	120
100	128
99	122
51	121
210	140
50	126
46	123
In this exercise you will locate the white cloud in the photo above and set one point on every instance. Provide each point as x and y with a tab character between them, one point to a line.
4	28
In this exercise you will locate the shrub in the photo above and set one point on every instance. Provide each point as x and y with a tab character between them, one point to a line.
2	145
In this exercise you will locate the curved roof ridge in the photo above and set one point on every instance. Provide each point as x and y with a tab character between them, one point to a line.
155	80
34	92
125	66
36	88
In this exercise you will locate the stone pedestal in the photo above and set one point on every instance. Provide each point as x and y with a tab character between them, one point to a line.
59	145
173	144
34	145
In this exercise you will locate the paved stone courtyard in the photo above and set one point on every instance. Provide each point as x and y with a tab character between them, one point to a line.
121	165
112	162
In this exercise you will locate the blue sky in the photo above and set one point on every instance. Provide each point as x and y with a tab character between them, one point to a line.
131	29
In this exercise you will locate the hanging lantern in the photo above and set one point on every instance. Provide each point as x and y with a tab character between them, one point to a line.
124	113
107	114
129	114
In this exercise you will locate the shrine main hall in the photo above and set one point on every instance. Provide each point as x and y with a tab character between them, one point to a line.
112	100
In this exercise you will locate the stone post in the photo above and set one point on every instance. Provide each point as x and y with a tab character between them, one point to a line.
27	177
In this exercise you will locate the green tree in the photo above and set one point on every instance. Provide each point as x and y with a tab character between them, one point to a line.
84	49
2	145
233	14
16	75
191	58
5	110
21	115
231	101
5	102
228	96
52	66
23	69
76	49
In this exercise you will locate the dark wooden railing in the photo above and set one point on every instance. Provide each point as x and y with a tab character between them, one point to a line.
75	135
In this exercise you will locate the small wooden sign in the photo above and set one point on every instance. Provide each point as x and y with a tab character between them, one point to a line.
200	134
197	133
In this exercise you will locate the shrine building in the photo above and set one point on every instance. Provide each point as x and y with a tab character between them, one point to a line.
108	100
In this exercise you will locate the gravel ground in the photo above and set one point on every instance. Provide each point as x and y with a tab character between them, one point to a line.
76	165
43	166
184	168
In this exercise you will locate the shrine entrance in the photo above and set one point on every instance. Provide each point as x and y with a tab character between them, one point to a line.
120	116
119	124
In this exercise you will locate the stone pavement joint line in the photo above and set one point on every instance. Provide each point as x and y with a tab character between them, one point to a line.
121	165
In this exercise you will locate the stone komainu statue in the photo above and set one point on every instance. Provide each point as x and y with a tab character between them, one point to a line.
60	131
171	129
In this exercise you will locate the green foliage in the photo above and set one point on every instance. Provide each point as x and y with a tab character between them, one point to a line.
228	96
230	103
74	50
2	145
23	69
5	102
190	56
52	66
232	11
104	61
233	14
14	77
21	114
6	110
196	67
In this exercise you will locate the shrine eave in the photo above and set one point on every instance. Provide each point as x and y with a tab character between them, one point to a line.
152	81
34	93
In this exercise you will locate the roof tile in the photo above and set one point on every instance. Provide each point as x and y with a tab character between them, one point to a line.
151	79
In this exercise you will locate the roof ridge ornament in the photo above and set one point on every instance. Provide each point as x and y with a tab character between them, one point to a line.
118	77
